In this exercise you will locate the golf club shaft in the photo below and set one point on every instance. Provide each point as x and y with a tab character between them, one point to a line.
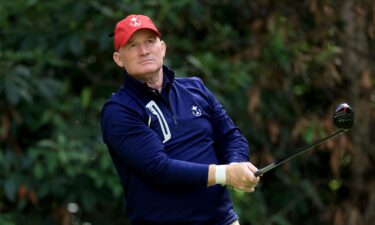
297	153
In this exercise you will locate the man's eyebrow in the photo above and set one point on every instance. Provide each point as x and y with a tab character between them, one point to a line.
152	36
131	41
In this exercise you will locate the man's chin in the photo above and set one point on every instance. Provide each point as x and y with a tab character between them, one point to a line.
148	71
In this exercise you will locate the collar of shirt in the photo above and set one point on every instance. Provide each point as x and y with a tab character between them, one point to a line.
136	85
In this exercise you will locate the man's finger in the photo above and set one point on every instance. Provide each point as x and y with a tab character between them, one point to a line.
252	167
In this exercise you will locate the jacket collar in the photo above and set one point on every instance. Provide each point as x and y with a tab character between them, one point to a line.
135	85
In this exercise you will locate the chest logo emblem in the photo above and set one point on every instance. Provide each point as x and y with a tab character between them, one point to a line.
196	111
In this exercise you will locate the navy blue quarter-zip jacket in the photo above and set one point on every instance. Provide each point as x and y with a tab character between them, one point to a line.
161	145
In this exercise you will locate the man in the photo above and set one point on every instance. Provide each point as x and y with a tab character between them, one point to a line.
171	142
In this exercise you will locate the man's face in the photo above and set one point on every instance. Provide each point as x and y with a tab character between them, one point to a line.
143	54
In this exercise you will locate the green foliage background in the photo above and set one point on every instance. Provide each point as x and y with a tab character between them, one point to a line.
278	67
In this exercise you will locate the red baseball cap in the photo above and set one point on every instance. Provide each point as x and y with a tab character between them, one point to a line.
125	28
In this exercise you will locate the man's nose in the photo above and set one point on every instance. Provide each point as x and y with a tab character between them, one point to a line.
143	49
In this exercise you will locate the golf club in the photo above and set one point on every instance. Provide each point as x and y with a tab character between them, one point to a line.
343	118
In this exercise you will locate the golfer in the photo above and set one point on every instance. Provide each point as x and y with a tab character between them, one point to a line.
174	147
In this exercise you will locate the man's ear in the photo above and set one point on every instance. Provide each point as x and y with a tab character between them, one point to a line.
117	59
164	47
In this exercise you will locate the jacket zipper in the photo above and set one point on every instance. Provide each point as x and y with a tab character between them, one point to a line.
169	108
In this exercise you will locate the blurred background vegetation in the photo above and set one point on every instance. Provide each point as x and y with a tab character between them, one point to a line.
279	68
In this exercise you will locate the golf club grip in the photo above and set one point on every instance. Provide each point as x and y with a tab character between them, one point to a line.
265	169
258	173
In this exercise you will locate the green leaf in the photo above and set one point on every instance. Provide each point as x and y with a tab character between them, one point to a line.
309	134
52	165
11	92
85	97
38	171
280	220
1	155
7	219
75	45
334	184
10	189
313	194
88	200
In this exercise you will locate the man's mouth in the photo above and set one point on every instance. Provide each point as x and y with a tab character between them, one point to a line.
146	61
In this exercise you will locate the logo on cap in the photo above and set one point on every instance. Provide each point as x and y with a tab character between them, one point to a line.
135	22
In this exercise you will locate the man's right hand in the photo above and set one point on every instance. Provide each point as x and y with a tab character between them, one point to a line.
241	176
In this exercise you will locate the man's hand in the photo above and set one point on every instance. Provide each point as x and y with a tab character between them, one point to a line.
241	176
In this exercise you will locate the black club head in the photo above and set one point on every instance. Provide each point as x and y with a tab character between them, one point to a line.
343	117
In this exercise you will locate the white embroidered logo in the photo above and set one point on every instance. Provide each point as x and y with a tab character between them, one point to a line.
196	111
135	22
154	108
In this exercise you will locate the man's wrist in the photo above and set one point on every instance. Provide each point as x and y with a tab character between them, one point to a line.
211	175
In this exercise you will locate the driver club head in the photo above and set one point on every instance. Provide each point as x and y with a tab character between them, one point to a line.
343	116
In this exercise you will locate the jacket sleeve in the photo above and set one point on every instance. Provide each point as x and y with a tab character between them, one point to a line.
230	144
138	146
